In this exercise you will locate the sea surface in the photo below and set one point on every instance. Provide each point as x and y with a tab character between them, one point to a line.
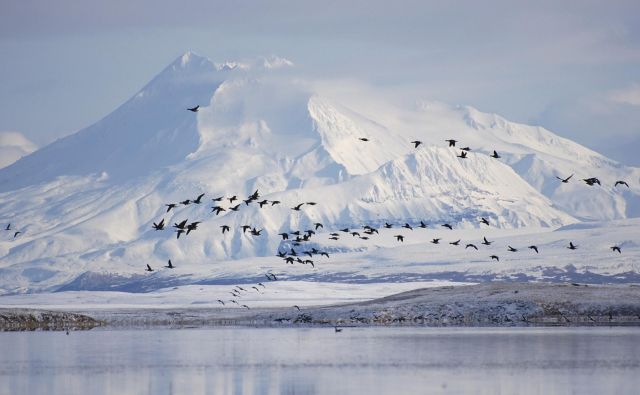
321	361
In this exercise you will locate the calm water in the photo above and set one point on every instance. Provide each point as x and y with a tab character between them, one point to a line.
319	361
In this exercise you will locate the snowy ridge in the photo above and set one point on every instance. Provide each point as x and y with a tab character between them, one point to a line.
86	203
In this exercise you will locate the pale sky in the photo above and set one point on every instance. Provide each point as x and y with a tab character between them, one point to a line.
570	66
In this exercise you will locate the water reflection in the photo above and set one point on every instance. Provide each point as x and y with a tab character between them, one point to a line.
319	361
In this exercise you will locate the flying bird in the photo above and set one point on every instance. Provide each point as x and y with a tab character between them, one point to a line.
262	203
225	228
436	241
318	225
192	226
198	199
495	155
621	183
234	208
591	181
311	203
274	202
363	139
285	236
297	208
616	248
232	198
406	225
181	225
8	227
170	206
495	257
452	143
170	265
484	221
217	209
511	249
159	225
148	269
486	242
179	232
194	109
447	226
572	246
221	302
535	248
466	149
423	225
245	306
463	155
218	199
388	225
565	180
416	143
16	234
455	243
296	306
186	202
471	245
399	238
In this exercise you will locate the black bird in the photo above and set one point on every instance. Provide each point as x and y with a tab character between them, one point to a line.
159	225
572	246
486	242
247	201
297	208
463	155
234	208
245	228
218	199
616	248
471	245
194	109
318	225
192	226
233	301
363	139
311	203
455	243
466	149
289	260
270	276
436	241
447	226
170	206
170	265
8	227
262	203
495	257
181	225
511	249
484	221
416	143
591	181
245	306
281	254
293	252
621	183
232	198
285	236
186	202
256	232
334	234
198	199
399	238
274	202
179	232
262	285
255	195
217	209
345	230
296	306
336	329
406	225
495	155
256	288
324	254
535	248
354	234
16	234
452	143
423	225
388	225
297	233
565	180
221	302
334	238
225	228
148	269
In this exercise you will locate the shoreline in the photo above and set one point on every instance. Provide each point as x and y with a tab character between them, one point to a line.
482	305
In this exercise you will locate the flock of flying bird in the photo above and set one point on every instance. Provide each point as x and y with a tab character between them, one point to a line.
297	238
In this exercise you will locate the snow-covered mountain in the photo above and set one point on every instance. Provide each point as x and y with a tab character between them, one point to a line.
13	146
86	203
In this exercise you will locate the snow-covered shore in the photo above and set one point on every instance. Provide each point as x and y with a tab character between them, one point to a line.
487	304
